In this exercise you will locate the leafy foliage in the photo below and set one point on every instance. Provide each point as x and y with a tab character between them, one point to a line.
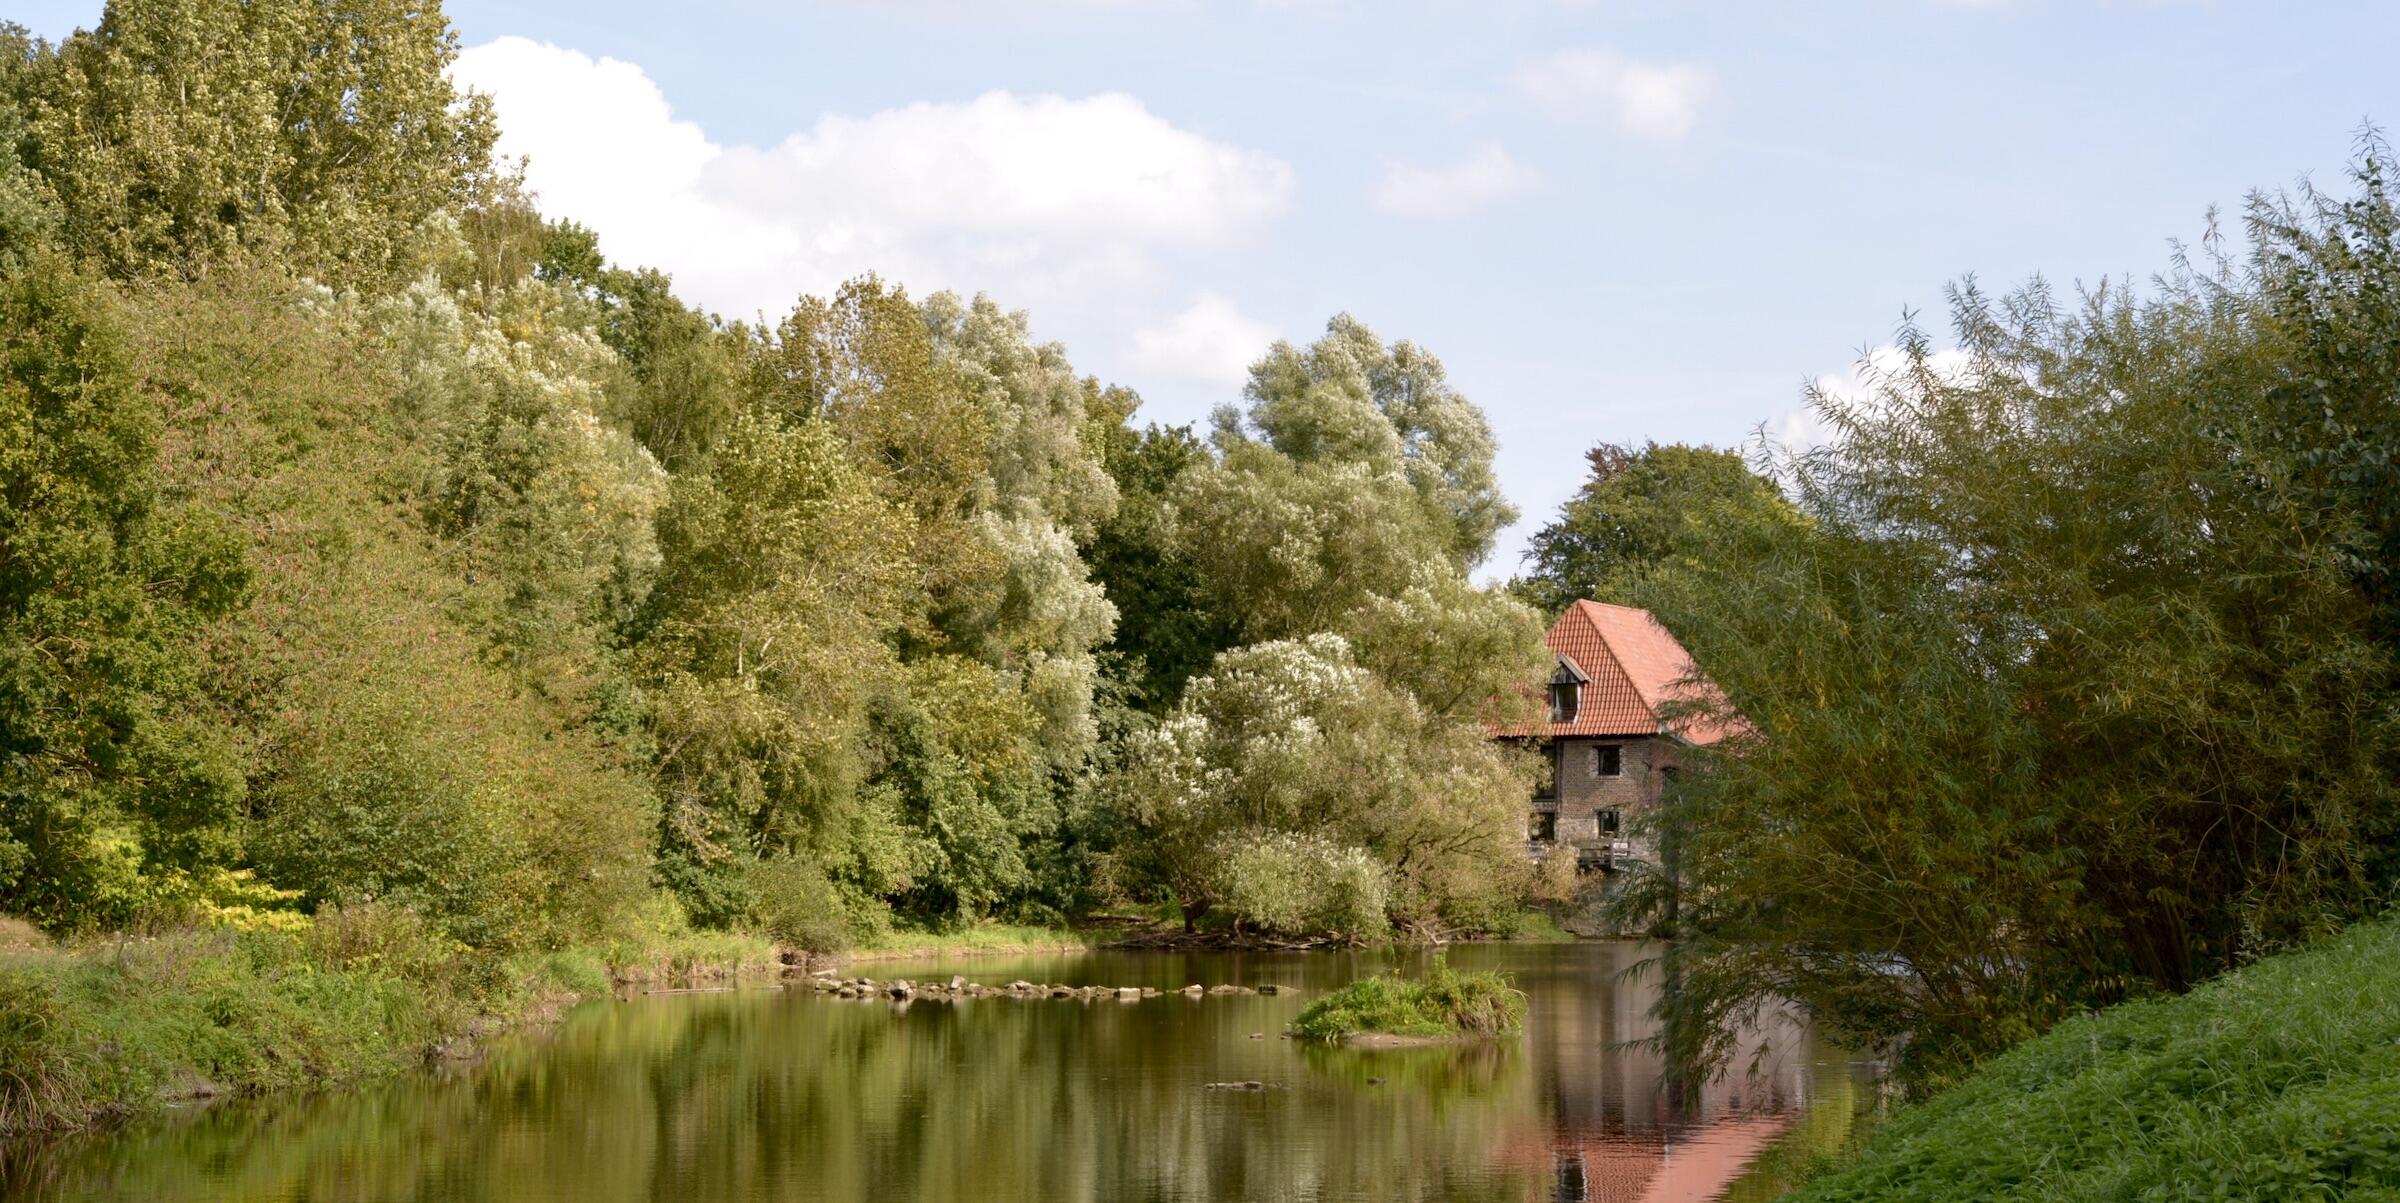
104	770
2089	700
1645	512
1445	1003
1294	739
1305	886
179	131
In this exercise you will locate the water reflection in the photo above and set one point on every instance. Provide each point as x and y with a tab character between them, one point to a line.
786	1097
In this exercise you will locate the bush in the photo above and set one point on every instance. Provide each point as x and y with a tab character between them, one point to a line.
798	907
1445	1004
1298	885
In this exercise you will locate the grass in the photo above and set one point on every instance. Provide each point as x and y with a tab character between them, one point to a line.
1445	1004
981	940
123	1025
2280	1081
1530	926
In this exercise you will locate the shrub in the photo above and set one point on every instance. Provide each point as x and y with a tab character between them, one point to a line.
1445	1003
1302	885
798	906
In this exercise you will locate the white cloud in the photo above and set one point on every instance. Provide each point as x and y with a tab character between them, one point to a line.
1489	174
1211	341
1646	100
1046	201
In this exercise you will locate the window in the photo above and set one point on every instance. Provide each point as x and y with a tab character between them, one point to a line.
1543	827
1608	760
1563	701
1607	819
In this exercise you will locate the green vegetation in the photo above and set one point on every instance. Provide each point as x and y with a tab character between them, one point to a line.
2279	1081
1644	514
120	1025
2071	681
995	939
1444	1004
371	544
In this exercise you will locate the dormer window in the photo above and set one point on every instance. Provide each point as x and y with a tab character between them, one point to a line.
1566	691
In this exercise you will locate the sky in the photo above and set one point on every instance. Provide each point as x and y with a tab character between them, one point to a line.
1619	222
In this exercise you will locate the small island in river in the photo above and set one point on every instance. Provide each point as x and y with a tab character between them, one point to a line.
1389	1010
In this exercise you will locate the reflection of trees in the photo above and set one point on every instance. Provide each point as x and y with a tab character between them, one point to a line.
786	1097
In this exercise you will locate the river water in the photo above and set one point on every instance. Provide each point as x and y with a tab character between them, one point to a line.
770	1095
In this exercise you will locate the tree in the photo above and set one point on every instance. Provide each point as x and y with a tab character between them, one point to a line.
1166	633
324	133
521	471
785	571
864	362
1354	469
1295	738
105	771
1642	513
2066	690
1349	399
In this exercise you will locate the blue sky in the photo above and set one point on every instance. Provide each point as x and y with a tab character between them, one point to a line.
1613	221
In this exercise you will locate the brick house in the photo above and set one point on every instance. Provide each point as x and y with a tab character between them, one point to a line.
1611	755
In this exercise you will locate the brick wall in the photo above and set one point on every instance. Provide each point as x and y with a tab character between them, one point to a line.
1583	792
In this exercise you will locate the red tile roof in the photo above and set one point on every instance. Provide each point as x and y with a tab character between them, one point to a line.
1635	667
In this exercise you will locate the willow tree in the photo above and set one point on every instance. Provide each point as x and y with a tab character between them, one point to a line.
2068	689
1292	749
1353	495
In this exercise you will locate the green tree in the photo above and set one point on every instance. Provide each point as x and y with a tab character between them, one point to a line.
2065	691
786	569
1166	633
1294	738
321	133
106	767
1354	470
1348	399
1644	512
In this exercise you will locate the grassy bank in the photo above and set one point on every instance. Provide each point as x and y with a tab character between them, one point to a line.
1445	1004
2280	1081
122	1025
994	939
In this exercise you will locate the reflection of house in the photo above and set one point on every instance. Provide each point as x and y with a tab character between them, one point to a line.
1613	730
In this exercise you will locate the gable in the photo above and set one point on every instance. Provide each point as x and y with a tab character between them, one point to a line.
1629	667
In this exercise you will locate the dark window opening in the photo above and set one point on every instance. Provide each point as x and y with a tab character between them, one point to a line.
1608	760
1564	700
1544	827
1608	819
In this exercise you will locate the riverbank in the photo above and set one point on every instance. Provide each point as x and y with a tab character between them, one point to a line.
108	1028
2278	1081
114	1027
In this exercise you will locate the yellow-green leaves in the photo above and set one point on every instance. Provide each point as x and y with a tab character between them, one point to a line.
182	130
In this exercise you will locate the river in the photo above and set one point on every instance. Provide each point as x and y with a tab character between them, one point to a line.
766	1095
